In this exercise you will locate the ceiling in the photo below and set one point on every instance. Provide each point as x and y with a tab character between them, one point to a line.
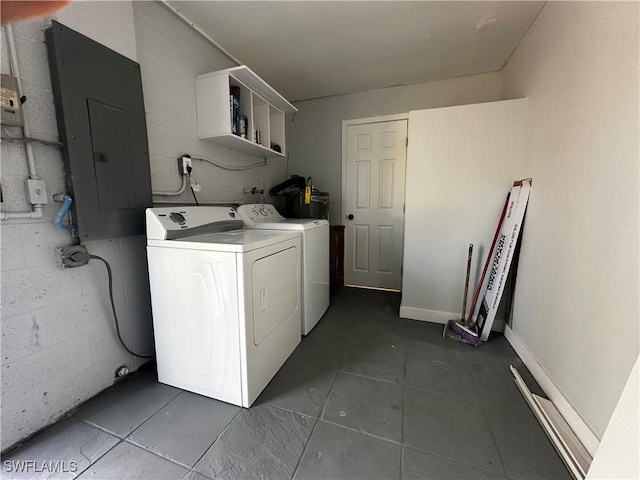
311	49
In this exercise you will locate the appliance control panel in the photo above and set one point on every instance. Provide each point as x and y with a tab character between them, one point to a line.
259	213
164	222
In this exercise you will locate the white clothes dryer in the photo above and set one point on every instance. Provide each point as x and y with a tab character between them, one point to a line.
226	301
315	255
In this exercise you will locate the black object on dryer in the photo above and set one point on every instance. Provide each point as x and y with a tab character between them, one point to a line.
292	185
293	190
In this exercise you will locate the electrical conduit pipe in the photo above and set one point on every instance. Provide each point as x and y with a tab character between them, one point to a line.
36	212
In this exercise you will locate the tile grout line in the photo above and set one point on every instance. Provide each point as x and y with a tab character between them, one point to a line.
475	401
180	392
157	454
215	440
368	377
97	459
483	405
101	428
404	406
119	437
315	427
304	450
493	437
453	397
284	409
141	447
351	429
453	460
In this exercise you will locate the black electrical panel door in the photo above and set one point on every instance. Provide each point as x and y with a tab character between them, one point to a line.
101	120
112	156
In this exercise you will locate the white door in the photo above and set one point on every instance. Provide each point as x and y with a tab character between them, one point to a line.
374	203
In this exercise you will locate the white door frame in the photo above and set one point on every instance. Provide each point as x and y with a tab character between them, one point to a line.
361	121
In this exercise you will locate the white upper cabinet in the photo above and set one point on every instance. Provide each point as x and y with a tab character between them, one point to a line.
259	107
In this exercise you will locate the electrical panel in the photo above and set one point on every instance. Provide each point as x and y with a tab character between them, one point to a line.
101	119
10	102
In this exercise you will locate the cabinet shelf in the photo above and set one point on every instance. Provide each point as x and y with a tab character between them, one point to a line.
260	104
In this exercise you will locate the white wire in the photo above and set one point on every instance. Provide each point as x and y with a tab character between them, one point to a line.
230	167
177	192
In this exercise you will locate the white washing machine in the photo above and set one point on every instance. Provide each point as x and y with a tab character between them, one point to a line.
315	255
226	301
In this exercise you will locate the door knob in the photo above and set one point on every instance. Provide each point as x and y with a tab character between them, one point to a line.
350	216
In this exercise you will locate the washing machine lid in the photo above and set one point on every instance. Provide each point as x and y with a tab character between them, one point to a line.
291	224
244	240
264	216
235	241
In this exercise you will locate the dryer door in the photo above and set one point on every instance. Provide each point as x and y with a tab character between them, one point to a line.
275	292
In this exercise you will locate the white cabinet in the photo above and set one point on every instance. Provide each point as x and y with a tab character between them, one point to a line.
261	105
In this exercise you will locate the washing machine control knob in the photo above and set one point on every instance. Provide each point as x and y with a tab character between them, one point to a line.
177	218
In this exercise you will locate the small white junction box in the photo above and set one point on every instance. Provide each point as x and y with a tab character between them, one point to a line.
36	191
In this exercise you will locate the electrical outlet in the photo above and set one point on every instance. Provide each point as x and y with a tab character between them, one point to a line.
72	256
184	164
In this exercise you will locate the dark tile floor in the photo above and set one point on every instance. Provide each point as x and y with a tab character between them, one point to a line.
366	395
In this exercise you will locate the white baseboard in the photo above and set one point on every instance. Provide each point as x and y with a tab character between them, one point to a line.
425	315
575	421
438	316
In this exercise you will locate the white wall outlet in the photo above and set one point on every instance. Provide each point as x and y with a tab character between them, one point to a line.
184	164
36	191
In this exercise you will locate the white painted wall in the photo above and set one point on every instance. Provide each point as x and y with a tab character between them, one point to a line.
576	305
59	346
171	54
97	20
315	135
617	455
461	163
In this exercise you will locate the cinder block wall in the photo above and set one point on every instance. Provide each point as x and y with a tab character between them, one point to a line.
59	345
